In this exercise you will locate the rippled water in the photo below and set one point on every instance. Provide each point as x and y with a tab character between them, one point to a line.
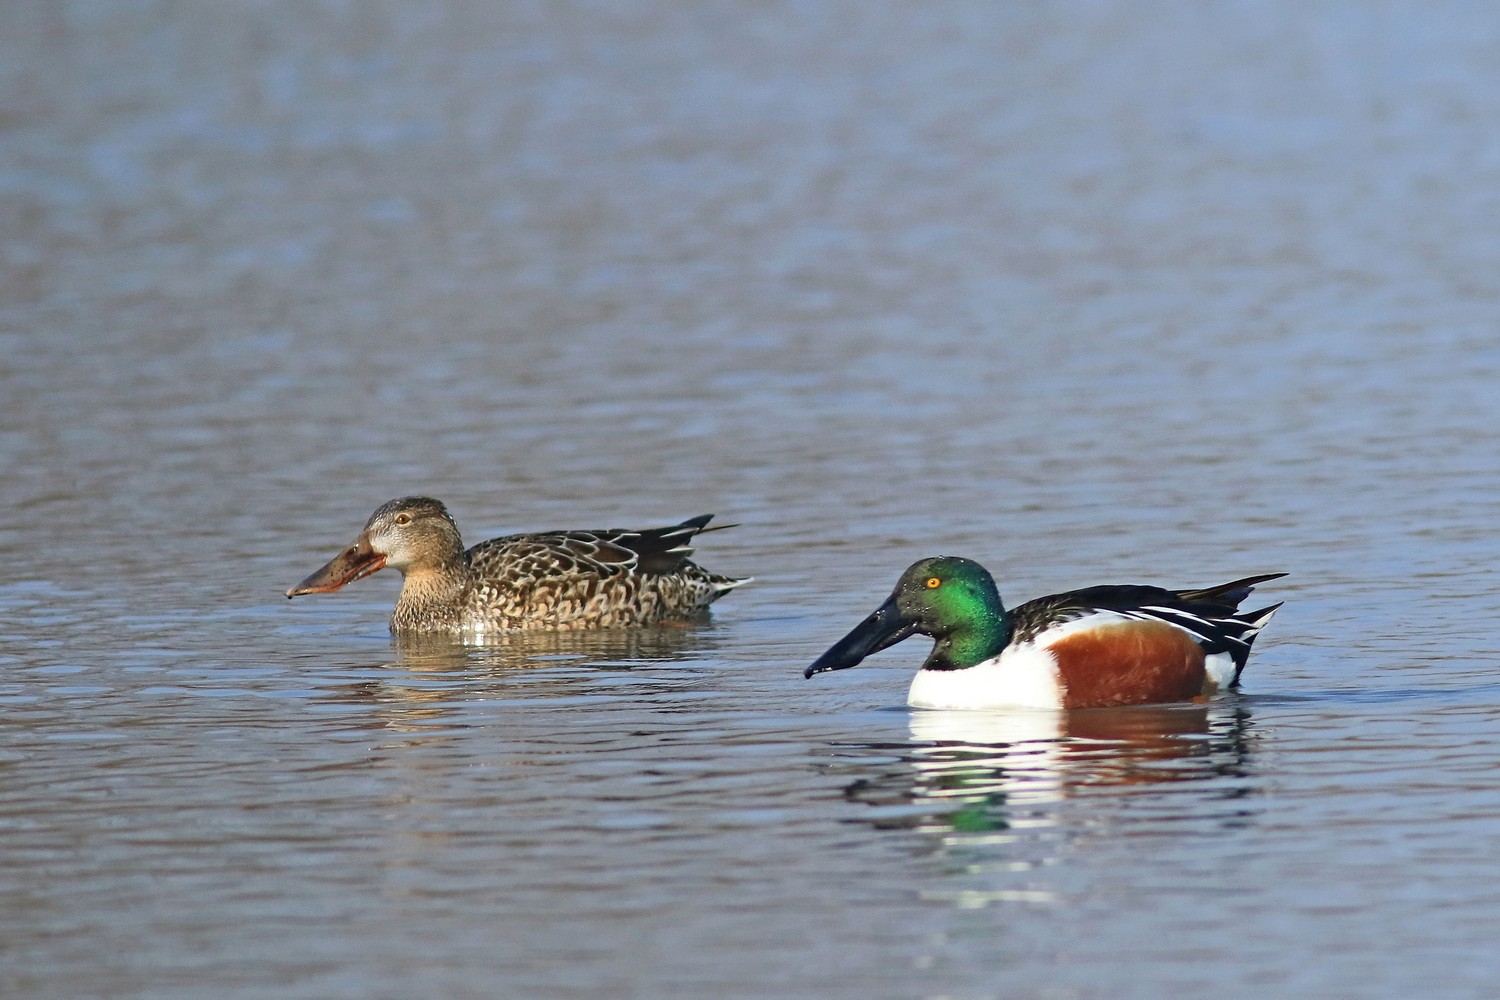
1088	292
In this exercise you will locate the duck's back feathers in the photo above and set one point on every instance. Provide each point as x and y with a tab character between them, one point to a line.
604	553
1210	616
576	579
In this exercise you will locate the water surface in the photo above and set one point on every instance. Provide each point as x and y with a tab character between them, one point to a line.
1087	293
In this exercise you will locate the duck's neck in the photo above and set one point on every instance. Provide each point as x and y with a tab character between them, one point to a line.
433	599
978	638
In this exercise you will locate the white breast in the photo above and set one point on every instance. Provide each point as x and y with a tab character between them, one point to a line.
1022	676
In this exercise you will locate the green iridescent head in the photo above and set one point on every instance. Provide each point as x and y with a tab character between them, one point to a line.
951	599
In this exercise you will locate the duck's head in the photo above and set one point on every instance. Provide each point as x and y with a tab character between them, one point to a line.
951	599
409	534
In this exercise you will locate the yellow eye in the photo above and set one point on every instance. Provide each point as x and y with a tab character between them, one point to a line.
933	583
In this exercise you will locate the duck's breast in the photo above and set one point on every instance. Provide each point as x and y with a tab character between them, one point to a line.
1023	676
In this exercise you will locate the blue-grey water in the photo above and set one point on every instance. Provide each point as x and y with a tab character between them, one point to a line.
1090	292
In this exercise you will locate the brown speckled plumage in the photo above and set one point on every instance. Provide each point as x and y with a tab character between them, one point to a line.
557	580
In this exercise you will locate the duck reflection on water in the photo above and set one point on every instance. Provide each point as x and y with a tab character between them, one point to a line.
432	676
986	771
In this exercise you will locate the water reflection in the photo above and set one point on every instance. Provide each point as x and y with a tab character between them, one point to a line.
975	772
432	677
615	648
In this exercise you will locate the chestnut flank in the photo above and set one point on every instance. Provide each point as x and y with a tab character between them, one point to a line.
1129	663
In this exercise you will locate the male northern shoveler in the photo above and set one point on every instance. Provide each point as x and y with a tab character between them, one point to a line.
544	580
1082	649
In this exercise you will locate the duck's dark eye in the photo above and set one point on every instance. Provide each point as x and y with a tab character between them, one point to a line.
403	519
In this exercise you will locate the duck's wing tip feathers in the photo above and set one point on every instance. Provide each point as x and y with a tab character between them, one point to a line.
1231	593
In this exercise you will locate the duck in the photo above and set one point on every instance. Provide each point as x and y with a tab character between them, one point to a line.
544	580
1090	648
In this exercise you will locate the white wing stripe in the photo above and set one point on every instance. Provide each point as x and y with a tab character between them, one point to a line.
1215	629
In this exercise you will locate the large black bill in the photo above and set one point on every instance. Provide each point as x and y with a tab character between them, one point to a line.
885	627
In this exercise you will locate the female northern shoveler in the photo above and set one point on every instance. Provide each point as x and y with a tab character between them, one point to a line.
1082	649
544	580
